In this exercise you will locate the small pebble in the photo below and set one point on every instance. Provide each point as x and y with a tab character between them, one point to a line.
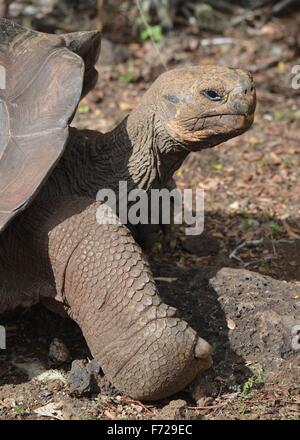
58	352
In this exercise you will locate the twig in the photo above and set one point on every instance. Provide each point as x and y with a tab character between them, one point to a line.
166	279
288	240
248	15
224	6
218	41
138	403
271	63
155	46
242	245
265	259
228	397
4	8
274	246
280	6
219	405
101	15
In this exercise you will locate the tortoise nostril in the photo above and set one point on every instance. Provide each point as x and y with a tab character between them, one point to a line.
241	106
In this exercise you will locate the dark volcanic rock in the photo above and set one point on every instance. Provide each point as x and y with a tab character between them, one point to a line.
263	315
82	380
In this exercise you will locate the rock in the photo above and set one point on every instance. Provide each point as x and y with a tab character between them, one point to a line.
209	19
82	380
58	352
112	53
265	314
55	385
175	410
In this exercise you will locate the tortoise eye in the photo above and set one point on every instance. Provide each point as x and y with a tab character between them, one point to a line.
212	95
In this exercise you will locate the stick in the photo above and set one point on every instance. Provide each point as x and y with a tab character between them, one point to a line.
242	245
155	46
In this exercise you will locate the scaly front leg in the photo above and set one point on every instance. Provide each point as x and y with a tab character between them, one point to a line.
143	347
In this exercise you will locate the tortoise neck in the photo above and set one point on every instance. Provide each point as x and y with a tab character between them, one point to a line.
141	152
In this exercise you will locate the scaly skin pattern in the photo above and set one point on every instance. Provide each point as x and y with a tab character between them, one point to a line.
142	346
56	250
106	285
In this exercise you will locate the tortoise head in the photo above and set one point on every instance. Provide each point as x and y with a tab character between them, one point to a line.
200	107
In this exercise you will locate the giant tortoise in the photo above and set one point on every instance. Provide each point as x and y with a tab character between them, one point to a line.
52	248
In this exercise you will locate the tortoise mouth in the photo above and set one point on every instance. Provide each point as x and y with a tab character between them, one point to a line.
211	130
206	129
227	120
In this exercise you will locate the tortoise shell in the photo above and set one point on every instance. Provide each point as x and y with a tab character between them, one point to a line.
42	78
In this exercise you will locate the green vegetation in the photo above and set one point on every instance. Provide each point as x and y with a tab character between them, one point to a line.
20	409
153	33
254	381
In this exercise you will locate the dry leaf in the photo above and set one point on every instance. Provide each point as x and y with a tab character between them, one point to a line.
292	231
51	410
109	415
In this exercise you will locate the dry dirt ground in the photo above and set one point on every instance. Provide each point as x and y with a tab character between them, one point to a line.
252	197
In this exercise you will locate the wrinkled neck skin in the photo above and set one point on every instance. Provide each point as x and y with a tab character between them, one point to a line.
141	152
138	151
